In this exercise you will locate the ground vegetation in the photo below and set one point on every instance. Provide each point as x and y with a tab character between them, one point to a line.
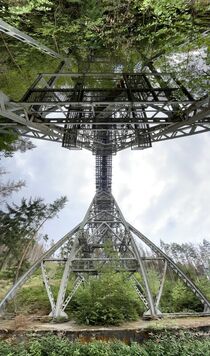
178	344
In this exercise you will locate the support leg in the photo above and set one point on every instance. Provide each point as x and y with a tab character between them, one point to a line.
152	312
59	313
161	285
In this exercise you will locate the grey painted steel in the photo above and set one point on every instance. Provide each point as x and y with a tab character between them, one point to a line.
47	286
134	110
138	289
157	302
91	236
59	312
152	308
174	267
17	114
80	279
21	36
23	279
89	223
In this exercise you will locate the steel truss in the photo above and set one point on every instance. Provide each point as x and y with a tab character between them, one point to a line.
105	113
134	110
104	238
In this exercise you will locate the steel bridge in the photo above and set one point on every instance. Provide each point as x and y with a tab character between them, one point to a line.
104	113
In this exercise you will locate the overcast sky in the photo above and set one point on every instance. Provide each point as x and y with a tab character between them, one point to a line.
163	191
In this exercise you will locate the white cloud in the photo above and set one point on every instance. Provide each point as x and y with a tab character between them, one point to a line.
163	191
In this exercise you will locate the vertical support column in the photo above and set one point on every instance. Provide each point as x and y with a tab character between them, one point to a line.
204	300
47	286
103	172
153	311
161	285
58	312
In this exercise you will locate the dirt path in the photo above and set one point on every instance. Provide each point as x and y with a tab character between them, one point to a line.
29	324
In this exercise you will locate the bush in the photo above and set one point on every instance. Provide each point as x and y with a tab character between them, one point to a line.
109	300
184	299
30	300
164	344
177	297
169	344
55	346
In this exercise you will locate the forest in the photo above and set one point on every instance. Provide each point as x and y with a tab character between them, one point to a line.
167	35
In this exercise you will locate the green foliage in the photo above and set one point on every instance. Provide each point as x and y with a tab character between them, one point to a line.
131	30
32	297
19	71
166	344
109	299
6	141
181	344
178	298
19	225
184	299
26	7
192	258
31	300
106	24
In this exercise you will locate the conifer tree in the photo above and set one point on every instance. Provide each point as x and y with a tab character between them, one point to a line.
19	226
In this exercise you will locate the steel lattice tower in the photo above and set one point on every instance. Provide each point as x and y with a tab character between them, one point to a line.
105	113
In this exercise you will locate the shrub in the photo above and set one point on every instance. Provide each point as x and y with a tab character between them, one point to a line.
163	344
184	299
169	344
109	300
31	300
177	297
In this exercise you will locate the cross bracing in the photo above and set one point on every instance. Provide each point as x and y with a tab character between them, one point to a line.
134	110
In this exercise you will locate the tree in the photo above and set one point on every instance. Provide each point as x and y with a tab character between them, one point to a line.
193	258
9	144
19	226
8	188
128	29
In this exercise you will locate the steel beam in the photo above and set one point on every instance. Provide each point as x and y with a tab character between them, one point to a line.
79	280
58	312
157	302
21	36
47	286
153	311
132	110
